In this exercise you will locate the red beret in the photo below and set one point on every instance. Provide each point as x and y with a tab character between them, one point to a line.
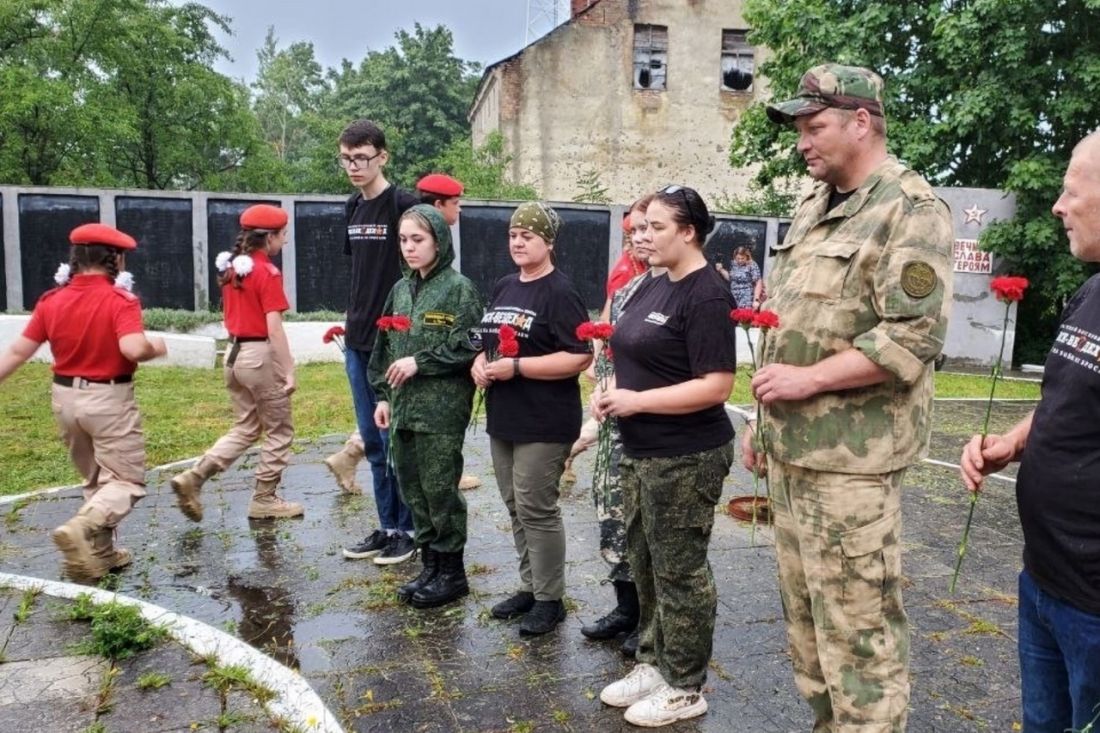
626	223
102	234
263	216
440	185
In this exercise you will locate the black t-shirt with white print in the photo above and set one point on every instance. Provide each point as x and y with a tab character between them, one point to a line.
1058	485
371	240
545	313
669	333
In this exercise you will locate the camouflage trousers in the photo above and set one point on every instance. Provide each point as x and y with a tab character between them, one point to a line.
428	466
669	509
837	540
608	498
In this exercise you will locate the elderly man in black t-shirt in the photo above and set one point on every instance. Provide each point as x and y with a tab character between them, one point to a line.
1058	488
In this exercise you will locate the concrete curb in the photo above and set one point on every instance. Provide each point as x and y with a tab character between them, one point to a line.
295	700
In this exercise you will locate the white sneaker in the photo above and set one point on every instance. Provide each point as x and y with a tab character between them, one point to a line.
642	682
666	705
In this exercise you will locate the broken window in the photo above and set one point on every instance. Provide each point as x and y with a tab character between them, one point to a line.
650	56
737	62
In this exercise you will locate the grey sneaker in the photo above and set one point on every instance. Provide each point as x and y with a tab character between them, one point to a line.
399	549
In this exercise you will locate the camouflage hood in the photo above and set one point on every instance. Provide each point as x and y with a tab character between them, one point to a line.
442	232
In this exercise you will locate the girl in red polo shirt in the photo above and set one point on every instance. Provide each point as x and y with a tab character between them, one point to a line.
96	336
259	372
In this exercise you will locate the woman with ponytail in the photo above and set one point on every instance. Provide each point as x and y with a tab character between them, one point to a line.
93	325
259	371
674	363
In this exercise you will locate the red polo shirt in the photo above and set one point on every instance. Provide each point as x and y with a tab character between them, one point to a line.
83	322
623	272
261	292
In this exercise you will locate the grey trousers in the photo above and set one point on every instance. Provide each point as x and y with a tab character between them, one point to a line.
528	475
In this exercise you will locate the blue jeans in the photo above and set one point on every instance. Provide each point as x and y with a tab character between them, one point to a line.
393	514
1059	662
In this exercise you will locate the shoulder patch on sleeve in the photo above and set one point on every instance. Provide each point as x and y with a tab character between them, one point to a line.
918	279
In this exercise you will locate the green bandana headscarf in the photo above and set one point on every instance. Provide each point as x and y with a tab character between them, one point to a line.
537	217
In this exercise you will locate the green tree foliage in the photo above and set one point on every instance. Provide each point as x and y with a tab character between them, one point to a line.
978	93
418	91
118	92
483	170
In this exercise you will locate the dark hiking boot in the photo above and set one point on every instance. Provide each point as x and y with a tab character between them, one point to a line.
449	584
622	619
430	558
517	605
542	618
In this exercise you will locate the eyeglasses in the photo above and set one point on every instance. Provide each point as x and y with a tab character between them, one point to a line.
357	162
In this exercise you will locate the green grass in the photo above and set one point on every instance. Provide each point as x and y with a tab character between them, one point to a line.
186	410
181	321
183	411
119	631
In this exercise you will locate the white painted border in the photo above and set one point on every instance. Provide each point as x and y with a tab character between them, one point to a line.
295	700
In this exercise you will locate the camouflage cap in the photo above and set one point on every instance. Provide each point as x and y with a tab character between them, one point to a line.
831	85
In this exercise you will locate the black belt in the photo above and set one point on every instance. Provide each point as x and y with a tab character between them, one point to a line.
236	341
68	381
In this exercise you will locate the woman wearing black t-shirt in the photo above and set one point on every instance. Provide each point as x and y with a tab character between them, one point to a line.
674	363
533	409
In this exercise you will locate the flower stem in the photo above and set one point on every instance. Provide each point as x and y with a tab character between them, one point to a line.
996	372
760	438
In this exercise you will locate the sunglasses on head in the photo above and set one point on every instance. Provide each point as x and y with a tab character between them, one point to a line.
682	190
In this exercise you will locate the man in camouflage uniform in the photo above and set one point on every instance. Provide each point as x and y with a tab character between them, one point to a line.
862	288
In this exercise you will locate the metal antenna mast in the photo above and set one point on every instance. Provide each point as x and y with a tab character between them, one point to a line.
544	16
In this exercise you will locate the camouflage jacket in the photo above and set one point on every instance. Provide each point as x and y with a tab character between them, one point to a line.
872	274
443	307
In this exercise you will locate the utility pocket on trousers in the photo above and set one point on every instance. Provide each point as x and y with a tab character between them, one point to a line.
869	567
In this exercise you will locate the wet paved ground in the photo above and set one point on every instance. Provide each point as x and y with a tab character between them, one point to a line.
48	682
381	666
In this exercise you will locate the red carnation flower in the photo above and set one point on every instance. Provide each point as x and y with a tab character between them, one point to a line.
586	331
743	316
402	323
1009	289
506	333
604	331
765	320
385	323
334	332
509	348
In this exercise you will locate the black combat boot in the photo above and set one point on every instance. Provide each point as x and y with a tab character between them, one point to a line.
622	619
447	585
630	645
431	566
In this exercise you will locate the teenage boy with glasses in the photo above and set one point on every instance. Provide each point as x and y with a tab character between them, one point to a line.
370	239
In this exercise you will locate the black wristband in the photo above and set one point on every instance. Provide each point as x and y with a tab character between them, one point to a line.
515	367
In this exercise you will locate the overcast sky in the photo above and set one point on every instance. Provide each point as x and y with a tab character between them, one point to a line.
484	30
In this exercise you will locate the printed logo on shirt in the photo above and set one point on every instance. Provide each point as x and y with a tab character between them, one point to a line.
438	318
520	319
1081	347
657	319
368	231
